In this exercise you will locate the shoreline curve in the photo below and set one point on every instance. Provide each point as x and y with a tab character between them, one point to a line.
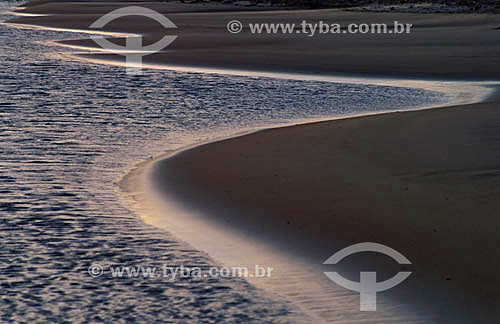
189	219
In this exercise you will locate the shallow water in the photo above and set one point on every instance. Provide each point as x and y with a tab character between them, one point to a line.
70	130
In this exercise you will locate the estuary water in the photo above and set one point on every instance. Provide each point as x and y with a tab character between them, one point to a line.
71	130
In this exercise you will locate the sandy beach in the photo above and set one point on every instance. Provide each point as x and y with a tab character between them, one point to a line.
425	183
447	41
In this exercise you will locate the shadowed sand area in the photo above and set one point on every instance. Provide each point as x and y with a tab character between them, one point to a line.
453	46
425	183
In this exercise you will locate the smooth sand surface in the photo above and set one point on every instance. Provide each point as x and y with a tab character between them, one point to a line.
425	183
453	46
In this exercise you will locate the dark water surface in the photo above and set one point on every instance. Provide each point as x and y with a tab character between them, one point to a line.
69	131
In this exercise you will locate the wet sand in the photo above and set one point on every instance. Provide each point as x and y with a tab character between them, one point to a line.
424	183
451	46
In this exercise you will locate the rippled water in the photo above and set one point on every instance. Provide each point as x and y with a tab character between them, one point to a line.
70	130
